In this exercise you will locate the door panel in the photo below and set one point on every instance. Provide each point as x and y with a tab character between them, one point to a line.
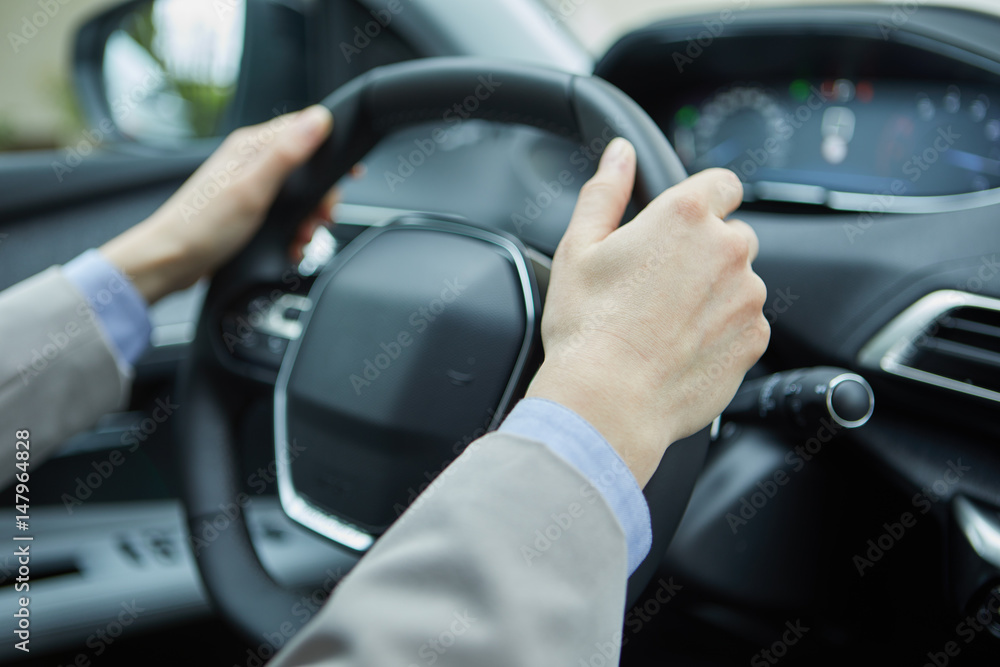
44	221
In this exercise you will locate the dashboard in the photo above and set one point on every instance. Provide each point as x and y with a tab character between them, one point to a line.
867	115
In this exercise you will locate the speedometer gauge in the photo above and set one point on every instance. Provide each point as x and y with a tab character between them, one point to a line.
743	128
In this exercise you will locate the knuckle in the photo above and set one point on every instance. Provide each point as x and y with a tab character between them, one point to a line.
736	250
689	207
748	232
758	292
762	333
754	337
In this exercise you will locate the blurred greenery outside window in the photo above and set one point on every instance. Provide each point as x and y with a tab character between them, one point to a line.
170	71
170	75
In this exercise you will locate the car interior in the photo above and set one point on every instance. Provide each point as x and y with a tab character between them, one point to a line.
844	509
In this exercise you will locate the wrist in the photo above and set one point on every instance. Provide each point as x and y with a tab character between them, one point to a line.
614	409
155	263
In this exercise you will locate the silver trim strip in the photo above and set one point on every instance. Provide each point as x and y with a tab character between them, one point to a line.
789	192
297	507
363	215
980	529
863	202
175	333
853	201
889	347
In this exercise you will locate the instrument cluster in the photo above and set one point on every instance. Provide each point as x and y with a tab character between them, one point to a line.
803	139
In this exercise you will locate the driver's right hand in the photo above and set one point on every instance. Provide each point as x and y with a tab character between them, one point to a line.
649	328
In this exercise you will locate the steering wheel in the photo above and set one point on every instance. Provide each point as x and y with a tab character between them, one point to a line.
419	330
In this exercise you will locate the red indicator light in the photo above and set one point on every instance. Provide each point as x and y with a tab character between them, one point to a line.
864	92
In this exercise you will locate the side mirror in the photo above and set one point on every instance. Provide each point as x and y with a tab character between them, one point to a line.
162	72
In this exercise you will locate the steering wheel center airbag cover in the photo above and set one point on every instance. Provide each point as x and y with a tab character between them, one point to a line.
414	345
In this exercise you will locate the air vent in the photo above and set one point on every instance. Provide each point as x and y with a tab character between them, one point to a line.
949	339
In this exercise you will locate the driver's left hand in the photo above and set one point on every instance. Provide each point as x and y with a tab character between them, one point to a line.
221	206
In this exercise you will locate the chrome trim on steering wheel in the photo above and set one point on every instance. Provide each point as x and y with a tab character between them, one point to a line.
294	504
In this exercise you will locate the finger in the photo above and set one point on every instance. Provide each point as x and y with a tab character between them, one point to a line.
747	232
321	216
327	205
720	190
603	198
292	143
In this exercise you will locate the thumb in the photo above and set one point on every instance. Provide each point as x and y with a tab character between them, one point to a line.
292	145
603	198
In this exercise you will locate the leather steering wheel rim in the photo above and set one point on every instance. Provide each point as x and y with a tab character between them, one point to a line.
366	110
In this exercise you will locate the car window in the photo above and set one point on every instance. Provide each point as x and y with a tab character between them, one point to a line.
35	62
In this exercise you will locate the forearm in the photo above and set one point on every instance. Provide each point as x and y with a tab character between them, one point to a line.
511	557
58	374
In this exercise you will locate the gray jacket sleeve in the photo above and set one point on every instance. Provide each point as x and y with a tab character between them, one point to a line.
510	558
58	374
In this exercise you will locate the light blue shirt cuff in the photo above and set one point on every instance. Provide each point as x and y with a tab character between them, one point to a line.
572	438
121	311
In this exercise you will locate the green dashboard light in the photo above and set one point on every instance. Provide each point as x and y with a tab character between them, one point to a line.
799	90
687	116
